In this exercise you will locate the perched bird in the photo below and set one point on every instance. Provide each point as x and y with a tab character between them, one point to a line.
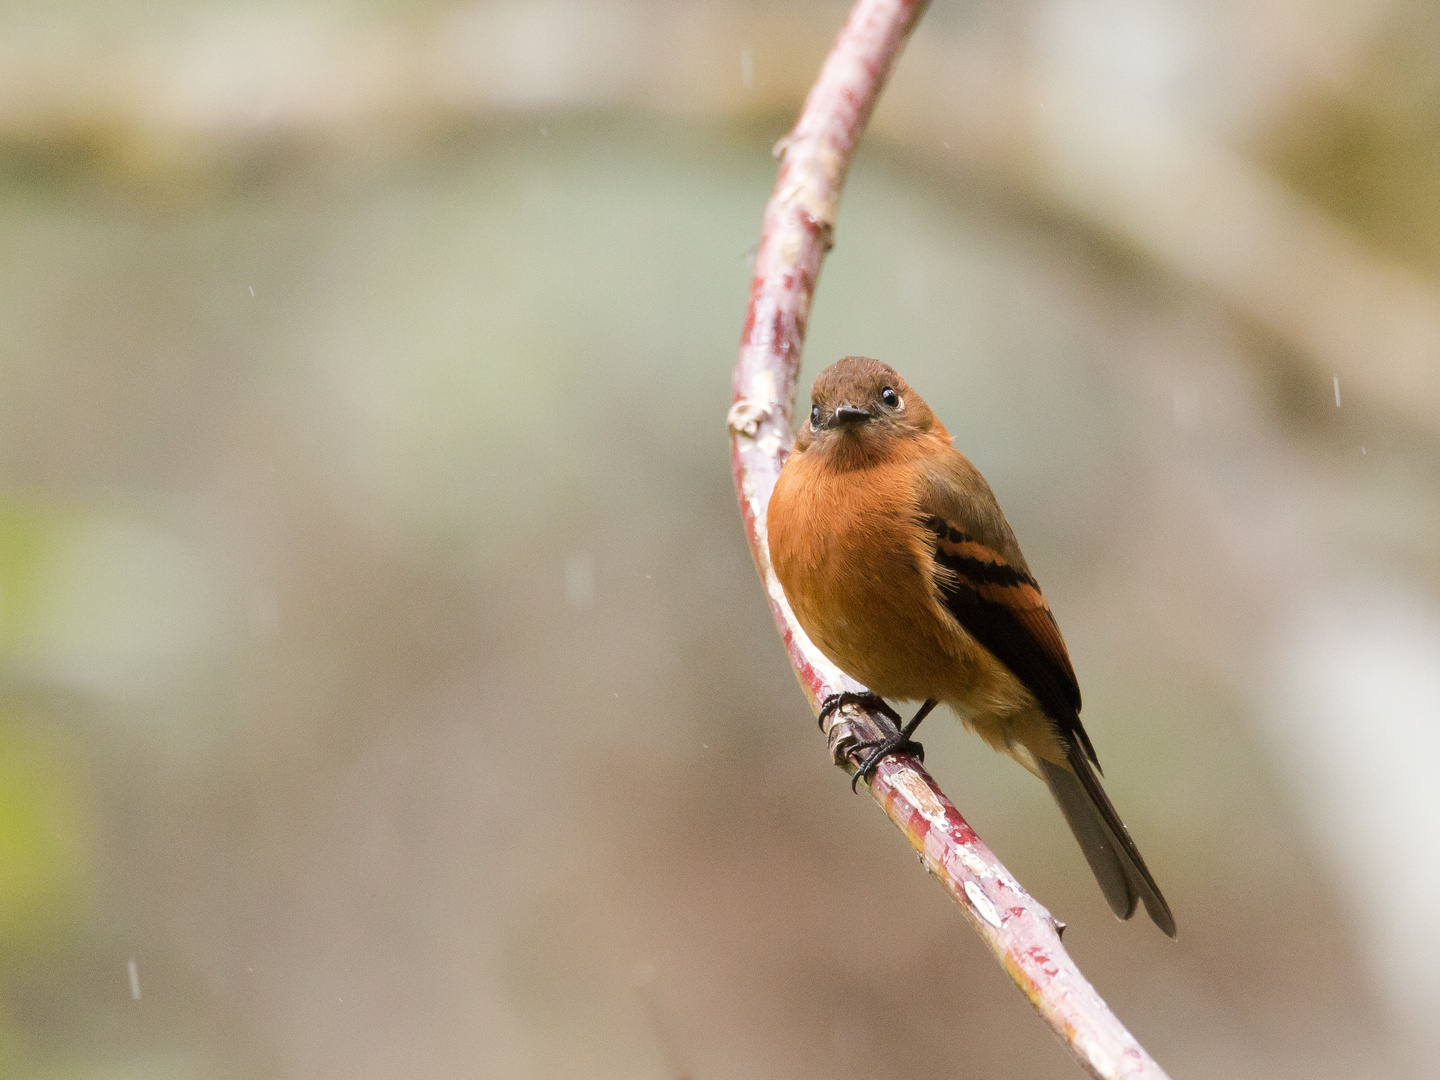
902	569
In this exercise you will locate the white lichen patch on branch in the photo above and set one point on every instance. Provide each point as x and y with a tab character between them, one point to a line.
790	242
982	904
921	797
763	390
1100	1061
815	179
970	862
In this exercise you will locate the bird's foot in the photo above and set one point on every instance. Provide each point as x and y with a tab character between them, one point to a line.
899	743
871	701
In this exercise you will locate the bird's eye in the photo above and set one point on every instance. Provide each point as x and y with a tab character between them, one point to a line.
815	416
890	398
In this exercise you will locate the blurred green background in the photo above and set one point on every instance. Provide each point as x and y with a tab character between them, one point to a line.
385	686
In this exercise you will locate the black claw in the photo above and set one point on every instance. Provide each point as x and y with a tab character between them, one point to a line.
899	743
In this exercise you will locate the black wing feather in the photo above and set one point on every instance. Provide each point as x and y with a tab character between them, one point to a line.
1002	608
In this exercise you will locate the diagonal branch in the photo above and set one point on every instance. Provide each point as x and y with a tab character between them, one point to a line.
798	229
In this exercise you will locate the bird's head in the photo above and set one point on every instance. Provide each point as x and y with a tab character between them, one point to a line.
862	412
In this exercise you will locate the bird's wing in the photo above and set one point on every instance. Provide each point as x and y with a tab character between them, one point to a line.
984	583
995	598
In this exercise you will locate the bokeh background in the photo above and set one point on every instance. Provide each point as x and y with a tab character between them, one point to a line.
385	686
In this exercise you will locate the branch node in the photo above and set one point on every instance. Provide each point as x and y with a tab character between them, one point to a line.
746	416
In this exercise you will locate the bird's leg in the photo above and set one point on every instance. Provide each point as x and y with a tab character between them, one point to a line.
895	744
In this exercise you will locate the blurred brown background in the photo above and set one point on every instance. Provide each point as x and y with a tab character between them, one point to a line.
385	676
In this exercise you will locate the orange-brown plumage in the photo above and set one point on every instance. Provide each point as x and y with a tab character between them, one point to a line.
902	569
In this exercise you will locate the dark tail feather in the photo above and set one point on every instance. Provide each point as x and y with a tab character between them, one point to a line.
1106	842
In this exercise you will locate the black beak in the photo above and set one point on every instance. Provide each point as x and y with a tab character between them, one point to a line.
848	414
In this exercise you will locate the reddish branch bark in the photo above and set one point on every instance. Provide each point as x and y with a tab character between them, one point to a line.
799	223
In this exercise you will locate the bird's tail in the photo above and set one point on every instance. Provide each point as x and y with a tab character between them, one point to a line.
1103	838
